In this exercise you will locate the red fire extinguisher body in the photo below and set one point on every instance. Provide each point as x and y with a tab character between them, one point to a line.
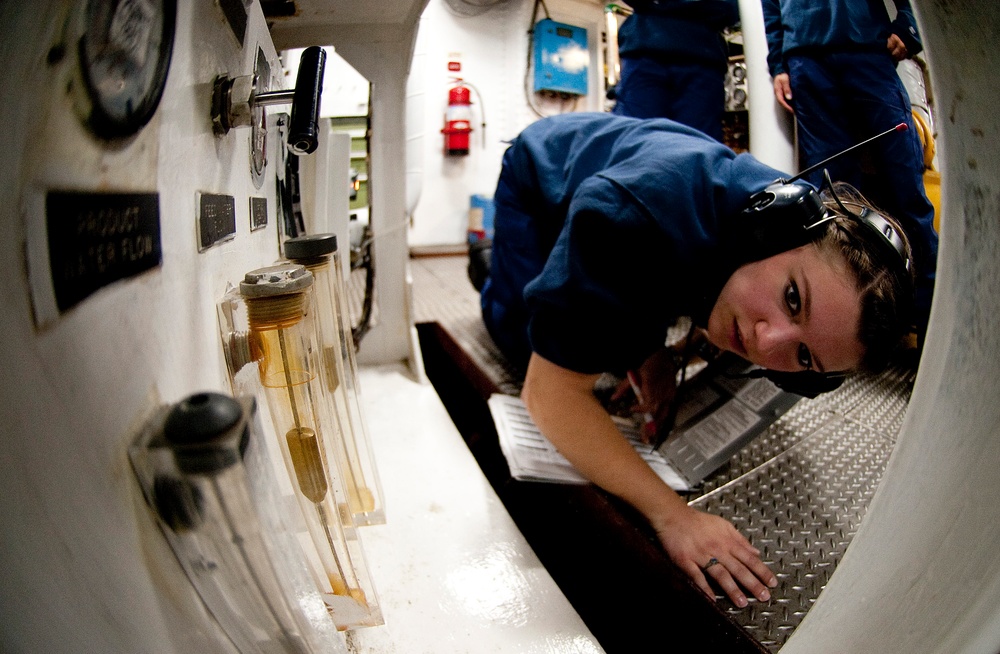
457	122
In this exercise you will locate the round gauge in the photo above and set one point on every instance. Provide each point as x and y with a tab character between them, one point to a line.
124	56
739	72
258	121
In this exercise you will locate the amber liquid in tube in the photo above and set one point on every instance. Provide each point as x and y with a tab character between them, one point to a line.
361	499
331	361
370	494
308	463
307	460
303	446
274	317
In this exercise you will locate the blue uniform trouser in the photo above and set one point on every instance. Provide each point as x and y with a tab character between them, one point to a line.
518	256
693	94
843	98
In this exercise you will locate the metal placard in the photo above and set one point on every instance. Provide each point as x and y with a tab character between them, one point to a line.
258	213
216	219
96	239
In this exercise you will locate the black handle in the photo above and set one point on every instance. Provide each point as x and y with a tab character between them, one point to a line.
303	130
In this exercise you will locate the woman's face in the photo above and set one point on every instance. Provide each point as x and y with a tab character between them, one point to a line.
798	310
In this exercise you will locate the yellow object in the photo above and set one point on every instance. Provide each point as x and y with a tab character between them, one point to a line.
932	178
932	188
926	140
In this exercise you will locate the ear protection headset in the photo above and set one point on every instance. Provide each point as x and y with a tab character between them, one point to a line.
785	216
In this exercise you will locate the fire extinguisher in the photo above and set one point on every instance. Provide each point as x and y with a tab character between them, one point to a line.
457	121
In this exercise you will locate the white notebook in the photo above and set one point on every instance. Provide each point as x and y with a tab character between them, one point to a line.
531	457
720	413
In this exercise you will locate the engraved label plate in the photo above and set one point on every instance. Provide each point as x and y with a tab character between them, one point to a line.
96	239
216	219
258	213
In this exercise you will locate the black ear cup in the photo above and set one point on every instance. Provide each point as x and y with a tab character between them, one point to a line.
782	217
785	216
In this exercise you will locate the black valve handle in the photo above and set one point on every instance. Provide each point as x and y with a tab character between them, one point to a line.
303	129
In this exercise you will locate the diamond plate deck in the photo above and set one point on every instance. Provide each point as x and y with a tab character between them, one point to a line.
799	491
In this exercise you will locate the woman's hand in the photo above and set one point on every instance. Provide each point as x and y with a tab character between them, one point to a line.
897	49
563	405
704	545
783	91
654	385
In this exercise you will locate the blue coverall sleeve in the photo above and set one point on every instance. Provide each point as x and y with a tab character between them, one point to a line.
774	31
905	27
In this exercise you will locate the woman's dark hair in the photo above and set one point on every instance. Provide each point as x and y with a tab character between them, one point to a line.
883	280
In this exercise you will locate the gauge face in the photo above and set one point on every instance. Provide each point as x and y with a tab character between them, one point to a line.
258	124
739	72
124	56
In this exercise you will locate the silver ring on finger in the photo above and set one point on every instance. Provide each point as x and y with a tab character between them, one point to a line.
712	561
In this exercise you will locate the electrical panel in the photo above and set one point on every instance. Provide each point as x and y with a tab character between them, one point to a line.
561	58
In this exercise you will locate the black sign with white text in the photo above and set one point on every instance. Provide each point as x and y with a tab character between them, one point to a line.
216	219
96	239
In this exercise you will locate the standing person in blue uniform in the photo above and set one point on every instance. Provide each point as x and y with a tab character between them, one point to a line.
674	60
609	228
833	63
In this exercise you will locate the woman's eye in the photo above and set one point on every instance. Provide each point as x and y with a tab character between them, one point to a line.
805	357
792	298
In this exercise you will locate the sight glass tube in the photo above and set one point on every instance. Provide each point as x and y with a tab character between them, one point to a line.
192	464
282	340
318	254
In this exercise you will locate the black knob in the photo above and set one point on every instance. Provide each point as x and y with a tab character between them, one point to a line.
303	131
199	430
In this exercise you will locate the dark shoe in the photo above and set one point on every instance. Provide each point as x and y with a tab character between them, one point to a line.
479	262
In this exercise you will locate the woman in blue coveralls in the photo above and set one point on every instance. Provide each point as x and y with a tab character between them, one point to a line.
833	63
674	60
609	228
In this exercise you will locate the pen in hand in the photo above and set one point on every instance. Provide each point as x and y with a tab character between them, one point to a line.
650	422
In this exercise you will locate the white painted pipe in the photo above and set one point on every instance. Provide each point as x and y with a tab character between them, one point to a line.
771	126
416	92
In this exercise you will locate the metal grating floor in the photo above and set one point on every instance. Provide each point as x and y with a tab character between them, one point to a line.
799	491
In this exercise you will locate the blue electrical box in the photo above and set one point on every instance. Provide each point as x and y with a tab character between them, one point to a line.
561	58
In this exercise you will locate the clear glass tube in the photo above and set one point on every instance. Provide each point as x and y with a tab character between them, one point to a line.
282	341
190	462
318	254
